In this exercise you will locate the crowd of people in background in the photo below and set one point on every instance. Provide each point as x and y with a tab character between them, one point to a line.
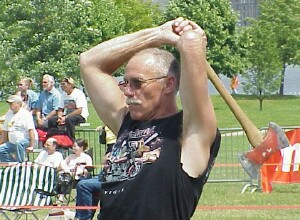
30	112
49	111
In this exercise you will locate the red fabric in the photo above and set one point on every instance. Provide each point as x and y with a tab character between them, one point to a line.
42	135
62	139
283	166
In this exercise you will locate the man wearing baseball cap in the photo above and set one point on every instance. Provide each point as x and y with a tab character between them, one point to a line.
18	132
73	108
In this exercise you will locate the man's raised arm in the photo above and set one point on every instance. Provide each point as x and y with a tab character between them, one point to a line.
199	121
98	64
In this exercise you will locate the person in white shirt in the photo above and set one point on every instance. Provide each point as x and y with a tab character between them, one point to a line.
49	156
78	161
18	134
73	108
76	164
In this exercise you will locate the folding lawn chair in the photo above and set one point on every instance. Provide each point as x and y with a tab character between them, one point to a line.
25	184
67	182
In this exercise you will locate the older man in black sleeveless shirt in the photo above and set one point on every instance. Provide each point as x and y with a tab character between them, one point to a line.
163	155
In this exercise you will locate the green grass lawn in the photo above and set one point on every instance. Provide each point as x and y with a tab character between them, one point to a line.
282	110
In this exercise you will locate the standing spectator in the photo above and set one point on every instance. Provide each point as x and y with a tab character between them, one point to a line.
29	97
48	102
109	136
50	156
18	132
234	83
73	108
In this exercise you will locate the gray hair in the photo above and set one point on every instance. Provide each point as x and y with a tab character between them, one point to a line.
165	63
49	77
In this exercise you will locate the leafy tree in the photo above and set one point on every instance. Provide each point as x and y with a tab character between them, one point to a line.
219	22
282	17
145	14
47	36
43	36
118	17
264	62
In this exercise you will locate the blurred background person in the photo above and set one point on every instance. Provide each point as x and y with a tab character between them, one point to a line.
48	102
88	190
73	108
50	156
78	161
234	83
18	134
29	97
77	165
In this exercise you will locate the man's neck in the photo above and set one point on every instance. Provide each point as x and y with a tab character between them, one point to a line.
70	91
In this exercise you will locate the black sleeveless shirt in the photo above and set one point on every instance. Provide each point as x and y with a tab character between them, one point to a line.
143	178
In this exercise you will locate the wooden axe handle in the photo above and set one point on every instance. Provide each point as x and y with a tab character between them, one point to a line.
253	134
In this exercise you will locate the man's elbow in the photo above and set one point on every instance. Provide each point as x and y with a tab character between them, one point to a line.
84	60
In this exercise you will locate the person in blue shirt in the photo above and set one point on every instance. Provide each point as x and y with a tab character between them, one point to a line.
48	102
29	96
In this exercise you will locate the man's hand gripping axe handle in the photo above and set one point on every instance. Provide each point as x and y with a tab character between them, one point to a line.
264	146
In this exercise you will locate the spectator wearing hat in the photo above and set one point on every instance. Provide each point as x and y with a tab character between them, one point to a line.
73	108
18	132
48	102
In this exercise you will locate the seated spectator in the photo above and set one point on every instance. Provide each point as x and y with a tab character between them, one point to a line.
50	156
88	190
28	96
88	194
73	109
48	102
18	134
2	118
78	161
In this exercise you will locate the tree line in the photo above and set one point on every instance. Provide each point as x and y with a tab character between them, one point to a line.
47	36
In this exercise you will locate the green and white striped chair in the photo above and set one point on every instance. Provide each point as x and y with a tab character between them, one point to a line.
26	184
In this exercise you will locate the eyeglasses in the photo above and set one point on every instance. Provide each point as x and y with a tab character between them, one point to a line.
136	83
44	82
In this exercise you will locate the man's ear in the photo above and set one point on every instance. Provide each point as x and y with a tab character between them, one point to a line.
170	85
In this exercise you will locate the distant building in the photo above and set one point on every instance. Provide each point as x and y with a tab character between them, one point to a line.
246	9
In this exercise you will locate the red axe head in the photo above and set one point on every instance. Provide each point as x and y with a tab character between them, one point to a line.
274	140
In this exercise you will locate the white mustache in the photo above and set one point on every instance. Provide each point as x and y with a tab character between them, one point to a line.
132	101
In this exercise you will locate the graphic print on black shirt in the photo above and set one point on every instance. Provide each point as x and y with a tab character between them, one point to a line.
131	151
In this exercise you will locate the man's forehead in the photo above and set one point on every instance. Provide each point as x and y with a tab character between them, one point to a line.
51	140
139	67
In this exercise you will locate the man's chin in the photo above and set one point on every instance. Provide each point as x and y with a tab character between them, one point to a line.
135	115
